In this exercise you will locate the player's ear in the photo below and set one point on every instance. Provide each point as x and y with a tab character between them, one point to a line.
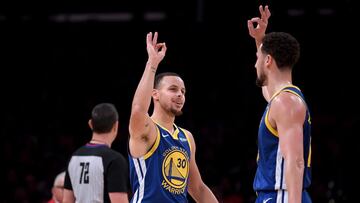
115	127
268	60
90	124
155	94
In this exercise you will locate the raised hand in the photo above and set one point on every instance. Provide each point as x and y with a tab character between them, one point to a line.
258	32
156	51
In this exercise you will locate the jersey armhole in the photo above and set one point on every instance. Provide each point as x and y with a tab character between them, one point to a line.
268	125
187	137
156	144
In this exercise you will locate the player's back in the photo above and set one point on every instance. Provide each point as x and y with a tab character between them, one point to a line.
89	172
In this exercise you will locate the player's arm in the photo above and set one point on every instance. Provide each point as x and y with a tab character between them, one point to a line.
288	111
141	127
258	32
68	196
119	197
197	188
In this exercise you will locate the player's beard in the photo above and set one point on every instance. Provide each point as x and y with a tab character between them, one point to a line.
176	112
171	110
261	80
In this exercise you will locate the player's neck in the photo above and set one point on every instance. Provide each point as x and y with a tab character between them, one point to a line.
275	88
278	82
100	139
165	120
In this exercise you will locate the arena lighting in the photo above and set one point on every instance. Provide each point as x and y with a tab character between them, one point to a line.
105	17
296	12
93	17
154	16
302	12
326	11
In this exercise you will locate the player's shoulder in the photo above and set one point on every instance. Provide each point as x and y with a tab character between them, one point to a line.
80	151
187	132
287	106
286	100
189	136
116	154
111	155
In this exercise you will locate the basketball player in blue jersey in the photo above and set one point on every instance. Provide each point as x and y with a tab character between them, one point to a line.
161	154
284	137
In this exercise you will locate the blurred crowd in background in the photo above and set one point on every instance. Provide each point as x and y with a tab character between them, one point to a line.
59	63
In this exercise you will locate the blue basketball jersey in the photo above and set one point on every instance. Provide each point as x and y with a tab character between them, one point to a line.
161	175
270	172
279	196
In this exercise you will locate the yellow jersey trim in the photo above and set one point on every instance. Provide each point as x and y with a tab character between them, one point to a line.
279	91
268	125
155	146
309	156
290	91
294	93
187	137
173	135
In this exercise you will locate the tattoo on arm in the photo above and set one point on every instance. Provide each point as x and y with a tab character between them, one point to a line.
153	69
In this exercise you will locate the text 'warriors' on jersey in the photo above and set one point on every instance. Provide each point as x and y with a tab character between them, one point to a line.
162	174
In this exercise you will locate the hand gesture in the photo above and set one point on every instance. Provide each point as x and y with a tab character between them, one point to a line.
258	32
156	51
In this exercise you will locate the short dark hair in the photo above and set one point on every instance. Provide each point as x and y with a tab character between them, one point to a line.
103	117
160	76
283	47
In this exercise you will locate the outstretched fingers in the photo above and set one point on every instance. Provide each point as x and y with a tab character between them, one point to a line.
267	11
149	38
154	40
264	13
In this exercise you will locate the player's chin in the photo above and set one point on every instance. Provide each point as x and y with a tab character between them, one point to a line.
177	112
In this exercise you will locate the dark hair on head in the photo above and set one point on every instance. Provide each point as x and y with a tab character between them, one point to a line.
103	117
160	76
283	47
